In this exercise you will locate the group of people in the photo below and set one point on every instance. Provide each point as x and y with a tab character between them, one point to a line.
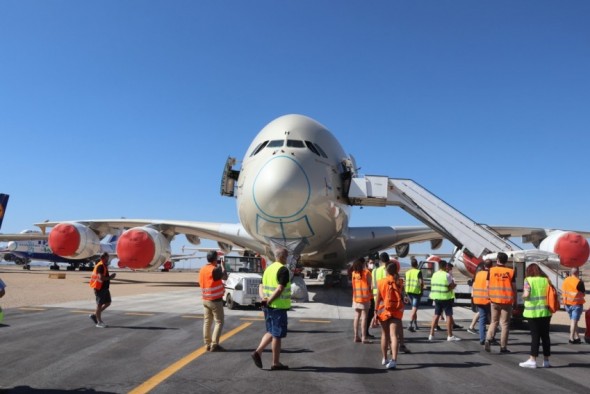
379	295
494	295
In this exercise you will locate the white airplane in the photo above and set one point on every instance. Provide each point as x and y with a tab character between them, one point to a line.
291	191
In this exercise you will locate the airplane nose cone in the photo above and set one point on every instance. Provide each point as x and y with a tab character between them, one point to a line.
11	246
281	188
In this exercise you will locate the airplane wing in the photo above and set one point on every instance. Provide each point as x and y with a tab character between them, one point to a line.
23	237
224	233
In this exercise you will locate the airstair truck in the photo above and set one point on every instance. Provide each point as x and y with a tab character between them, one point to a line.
244	276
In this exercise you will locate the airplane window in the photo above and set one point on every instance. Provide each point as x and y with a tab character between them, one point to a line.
321	151
312	148
295	144
259	148
275	144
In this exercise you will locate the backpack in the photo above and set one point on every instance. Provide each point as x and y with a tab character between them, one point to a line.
552	299
392	300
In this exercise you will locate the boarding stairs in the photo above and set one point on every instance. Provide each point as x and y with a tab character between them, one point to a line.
463	232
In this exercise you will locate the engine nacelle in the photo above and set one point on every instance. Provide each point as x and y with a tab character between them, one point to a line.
143	248
572	248
74	241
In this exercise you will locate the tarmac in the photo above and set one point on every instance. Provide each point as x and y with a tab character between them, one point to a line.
153	344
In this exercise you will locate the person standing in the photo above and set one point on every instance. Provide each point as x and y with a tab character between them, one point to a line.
2	292
275	292
212	291
441	291
100	281
502	293
371	312
389	311
361	298
481	299
414	289
538	315
573	292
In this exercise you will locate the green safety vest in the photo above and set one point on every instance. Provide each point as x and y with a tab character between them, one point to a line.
270	284
536	304
439	287
412	282
378	273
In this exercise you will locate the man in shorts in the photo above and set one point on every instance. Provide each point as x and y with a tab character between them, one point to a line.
100	281
441	291
275	292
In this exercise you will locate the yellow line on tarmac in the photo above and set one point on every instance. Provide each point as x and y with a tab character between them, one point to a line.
158	378
252	318
78	311
32	309
192	316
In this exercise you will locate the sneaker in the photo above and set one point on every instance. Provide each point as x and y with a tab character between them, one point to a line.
279	367
546	364
504	350
431	338
453	339
416	326
472	331
217	348
257	360
437	328
93	318
457	327
391	365
385	361
486	345
101	325
528	364
411	329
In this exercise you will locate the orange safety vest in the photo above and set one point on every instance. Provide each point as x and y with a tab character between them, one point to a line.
381	311
480	289
361	291
570	294
210	289
95	279
500	285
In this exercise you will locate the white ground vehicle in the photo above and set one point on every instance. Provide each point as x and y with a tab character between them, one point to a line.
243	279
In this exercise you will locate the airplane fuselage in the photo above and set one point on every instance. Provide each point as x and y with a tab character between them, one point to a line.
291	189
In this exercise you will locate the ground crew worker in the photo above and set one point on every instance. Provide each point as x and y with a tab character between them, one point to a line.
361	299
414	288
100	281
441	291
572	292
212	290
481	299
275	292
502	293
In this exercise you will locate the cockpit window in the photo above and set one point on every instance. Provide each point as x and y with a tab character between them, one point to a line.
258	148
312	148
321	151
275	144
295	144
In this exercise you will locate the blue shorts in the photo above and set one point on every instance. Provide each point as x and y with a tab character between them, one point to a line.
276	322
574	311
443	305
415	300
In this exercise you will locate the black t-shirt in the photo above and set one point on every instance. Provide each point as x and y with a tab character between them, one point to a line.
283	276
104	272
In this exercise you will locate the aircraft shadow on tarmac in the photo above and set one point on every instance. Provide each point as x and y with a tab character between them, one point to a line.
28	389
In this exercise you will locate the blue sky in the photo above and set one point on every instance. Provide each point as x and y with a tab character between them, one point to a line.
130	108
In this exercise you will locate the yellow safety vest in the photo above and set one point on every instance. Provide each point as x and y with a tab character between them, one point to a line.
270	284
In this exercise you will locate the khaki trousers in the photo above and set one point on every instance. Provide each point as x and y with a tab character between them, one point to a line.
212	311
500	313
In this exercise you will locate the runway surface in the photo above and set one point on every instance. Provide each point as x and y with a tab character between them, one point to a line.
153	344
